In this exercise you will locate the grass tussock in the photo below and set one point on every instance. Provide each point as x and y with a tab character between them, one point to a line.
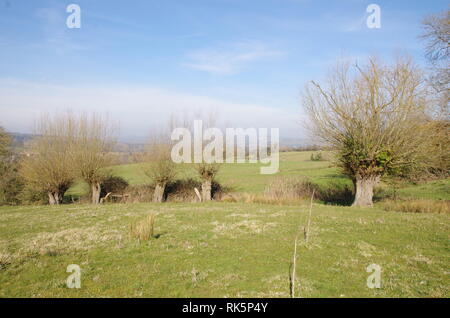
143	230
418	206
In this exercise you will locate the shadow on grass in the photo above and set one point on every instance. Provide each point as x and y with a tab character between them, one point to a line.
336	194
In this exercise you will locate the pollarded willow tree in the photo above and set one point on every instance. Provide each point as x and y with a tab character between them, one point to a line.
68	146
207	173
47	167
91	151
375	117
159	165
437	37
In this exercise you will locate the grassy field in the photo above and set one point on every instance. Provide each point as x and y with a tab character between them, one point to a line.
246	177
223	249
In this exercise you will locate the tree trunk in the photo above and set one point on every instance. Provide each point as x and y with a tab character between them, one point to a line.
364	190
206	190
158	195
96	189
51	199
54	198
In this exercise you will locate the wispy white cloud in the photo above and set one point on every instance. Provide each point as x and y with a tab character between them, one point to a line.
229	59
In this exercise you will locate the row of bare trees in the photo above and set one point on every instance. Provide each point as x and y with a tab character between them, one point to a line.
68	147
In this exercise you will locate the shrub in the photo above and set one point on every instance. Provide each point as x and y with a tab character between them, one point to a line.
317	157
32	195
139	193
112	184
11	186
143	230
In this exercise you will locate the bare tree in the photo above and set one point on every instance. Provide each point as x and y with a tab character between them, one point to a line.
158	164
207	173
437	35
375	117
48	168
91	151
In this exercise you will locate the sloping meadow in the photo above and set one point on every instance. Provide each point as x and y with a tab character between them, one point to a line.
221	250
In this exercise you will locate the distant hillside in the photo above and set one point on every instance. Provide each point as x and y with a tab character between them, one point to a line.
19	140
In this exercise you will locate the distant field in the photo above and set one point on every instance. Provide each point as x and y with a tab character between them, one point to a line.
246	177
221	250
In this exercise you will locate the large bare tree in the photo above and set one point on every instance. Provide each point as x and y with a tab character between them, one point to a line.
91	151
437	37
47	166
158	164
375	116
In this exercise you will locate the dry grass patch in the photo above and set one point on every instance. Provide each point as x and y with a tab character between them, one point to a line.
5	260
69	240
245	226
143	230
418	206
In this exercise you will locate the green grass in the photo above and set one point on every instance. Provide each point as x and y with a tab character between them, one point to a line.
222	250
246	177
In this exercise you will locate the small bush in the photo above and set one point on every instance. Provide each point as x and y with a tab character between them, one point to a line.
139	193
143	230
317	157
30	195
417	206
11	188
113	184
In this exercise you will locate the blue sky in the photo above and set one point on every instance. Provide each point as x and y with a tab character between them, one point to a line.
141	60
